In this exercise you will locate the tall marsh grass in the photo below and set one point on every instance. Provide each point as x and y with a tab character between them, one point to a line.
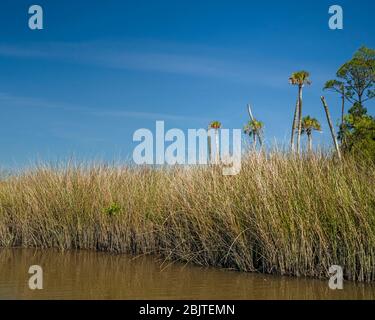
281	214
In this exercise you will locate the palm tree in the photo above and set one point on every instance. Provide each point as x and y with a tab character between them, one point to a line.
300	79
308	125
254	128
215	125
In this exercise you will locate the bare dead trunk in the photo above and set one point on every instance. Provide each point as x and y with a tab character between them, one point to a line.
331	127
249	111
294	125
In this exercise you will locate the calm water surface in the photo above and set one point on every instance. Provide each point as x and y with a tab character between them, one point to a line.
95	275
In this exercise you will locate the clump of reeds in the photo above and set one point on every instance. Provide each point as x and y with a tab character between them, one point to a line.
281	214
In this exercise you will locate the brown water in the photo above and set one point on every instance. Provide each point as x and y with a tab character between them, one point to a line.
95	275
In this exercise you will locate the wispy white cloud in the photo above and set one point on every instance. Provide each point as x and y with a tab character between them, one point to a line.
174	59
32	102
36	102
146	115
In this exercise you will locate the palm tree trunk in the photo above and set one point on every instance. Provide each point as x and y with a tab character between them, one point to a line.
254	141
299	119
294	125
331	127
309	138
260	140
217	155
209	146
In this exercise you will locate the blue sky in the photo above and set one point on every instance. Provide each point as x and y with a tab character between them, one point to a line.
102	69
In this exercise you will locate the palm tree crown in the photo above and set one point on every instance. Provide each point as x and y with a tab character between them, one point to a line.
253	127
300	78
309	124
215	125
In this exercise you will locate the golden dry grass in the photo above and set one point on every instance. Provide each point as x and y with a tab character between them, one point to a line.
280	215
